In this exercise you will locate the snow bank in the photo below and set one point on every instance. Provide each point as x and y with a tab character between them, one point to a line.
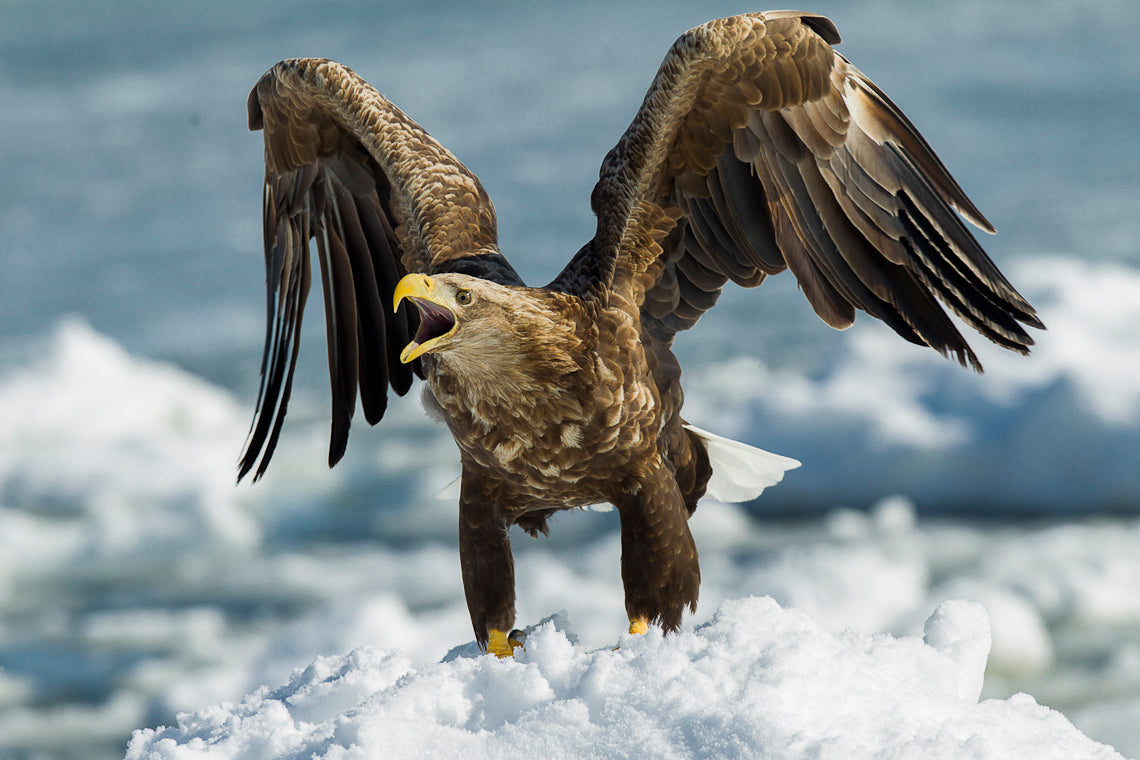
756	681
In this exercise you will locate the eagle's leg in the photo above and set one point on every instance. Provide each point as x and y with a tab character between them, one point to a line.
659	565
488	570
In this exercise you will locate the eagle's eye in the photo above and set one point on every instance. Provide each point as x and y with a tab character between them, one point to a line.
464	297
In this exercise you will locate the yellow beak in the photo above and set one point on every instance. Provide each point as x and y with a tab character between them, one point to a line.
412	286
437	320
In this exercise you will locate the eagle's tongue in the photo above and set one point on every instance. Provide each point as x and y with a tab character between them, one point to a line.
435	320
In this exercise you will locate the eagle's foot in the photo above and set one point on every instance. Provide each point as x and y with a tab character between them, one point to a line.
502	644
638	625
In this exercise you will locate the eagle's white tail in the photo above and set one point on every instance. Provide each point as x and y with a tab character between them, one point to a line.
740	472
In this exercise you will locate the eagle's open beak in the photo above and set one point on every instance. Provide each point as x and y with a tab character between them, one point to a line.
437	321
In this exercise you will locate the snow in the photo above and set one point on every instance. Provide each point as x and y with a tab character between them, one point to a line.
756	681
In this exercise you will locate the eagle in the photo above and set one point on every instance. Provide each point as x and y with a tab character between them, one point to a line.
757	148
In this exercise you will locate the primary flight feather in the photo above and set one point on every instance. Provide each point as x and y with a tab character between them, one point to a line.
758	148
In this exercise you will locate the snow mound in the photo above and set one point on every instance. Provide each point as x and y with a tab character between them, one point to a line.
756	681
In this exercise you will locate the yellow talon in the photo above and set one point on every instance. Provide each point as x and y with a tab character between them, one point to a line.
638	626
502	644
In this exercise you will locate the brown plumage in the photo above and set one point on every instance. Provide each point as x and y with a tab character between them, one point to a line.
757	148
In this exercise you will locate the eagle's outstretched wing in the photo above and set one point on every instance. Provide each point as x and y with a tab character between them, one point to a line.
759	148
381	198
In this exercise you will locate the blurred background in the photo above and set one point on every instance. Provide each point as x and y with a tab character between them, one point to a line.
137	581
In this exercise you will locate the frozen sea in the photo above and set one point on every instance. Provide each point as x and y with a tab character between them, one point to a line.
136	582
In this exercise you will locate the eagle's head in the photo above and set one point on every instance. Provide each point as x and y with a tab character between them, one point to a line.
485	329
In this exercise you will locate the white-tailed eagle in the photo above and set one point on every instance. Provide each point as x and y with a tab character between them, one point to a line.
758	148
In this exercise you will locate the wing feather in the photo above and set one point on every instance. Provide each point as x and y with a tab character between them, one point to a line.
340	326
778	153
717	248
288	289
743	256
372	354
744	195
699	274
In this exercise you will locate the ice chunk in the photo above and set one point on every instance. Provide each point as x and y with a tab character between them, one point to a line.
961	631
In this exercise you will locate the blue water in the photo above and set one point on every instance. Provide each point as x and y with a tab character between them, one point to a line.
131	198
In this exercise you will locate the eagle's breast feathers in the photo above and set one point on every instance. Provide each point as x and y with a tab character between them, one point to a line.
545	390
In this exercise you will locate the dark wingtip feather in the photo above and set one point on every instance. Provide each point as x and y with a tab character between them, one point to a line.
964	355
338	439
823	26
253	108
